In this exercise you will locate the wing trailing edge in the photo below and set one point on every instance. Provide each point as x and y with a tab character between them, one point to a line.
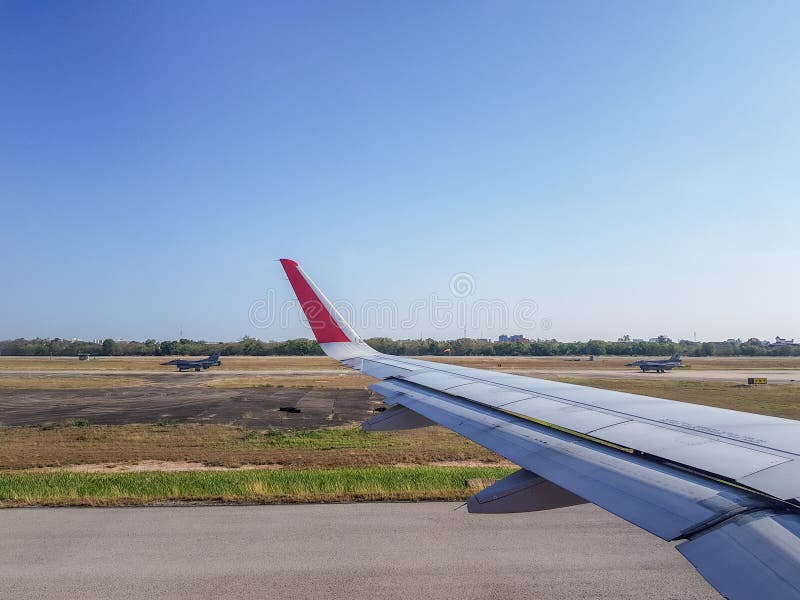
753	555
396	418
522	491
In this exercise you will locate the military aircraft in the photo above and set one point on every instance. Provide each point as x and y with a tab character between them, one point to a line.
723	484
188	365
659	366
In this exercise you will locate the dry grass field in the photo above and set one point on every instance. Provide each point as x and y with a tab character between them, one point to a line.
229	446
33	381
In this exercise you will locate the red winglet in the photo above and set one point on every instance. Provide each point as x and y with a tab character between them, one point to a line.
325	327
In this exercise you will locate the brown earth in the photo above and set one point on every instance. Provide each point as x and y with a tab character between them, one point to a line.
125	446
255	407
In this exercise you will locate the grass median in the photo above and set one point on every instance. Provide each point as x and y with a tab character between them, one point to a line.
62	488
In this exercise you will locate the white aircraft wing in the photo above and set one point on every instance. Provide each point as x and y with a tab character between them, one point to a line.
725	484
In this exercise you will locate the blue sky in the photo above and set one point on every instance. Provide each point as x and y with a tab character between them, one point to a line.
629	167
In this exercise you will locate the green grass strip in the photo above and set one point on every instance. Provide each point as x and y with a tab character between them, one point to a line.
320	439
62	488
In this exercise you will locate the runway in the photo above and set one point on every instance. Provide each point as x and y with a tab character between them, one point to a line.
347	551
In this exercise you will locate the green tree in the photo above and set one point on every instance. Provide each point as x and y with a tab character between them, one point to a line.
707	349
109	347
596	347
168	347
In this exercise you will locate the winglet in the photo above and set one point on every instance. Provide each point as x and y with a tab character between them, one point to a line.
337	339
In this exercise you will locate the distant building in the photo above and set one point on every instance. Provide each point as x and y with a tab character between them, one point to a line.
513	338
779	341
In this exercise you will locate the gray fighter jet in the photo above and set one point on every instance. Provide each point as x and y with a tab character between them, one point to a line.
659	366
188	365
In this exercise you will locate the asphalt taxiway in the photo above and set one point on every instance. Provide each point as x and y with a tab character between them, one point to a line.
347	551
183	398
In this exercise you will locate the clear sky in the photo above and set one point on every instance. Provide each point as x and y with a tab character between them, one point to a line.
629	167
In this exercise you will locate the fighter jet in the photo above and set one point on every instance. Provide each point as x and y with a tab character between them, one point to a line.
659	366
188	365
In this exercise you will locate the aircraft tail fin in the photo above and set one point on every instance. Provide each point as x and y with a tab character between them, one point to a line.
214	356
676	357
335	336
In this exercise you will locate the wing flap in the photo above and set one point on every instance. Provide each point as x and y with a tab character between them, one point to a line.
396	418
436	380
754	555
725	459
489	394
562	414
380	369
522	491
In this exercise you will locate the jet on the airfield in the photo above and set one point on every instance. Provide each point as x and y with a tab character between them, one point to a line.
188	365
659	366
723	485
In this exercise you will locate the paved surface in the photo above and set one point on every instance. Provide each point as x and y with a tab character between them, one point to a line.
732	375
369	551
183	398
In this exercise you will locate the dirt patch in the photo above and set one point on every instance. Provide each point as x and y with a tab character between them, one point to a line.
54	382
154	400
147	466
167	466
228	447
347	380
500	462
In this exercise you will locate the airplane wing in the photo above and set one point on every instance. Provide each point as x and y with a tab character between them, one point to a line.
724	484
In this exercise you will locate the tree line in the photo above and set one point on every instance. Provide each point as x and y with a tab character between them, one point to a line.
249	346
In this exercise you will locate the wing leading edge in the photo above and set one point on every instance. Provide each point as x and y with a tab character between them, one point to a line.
724	483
